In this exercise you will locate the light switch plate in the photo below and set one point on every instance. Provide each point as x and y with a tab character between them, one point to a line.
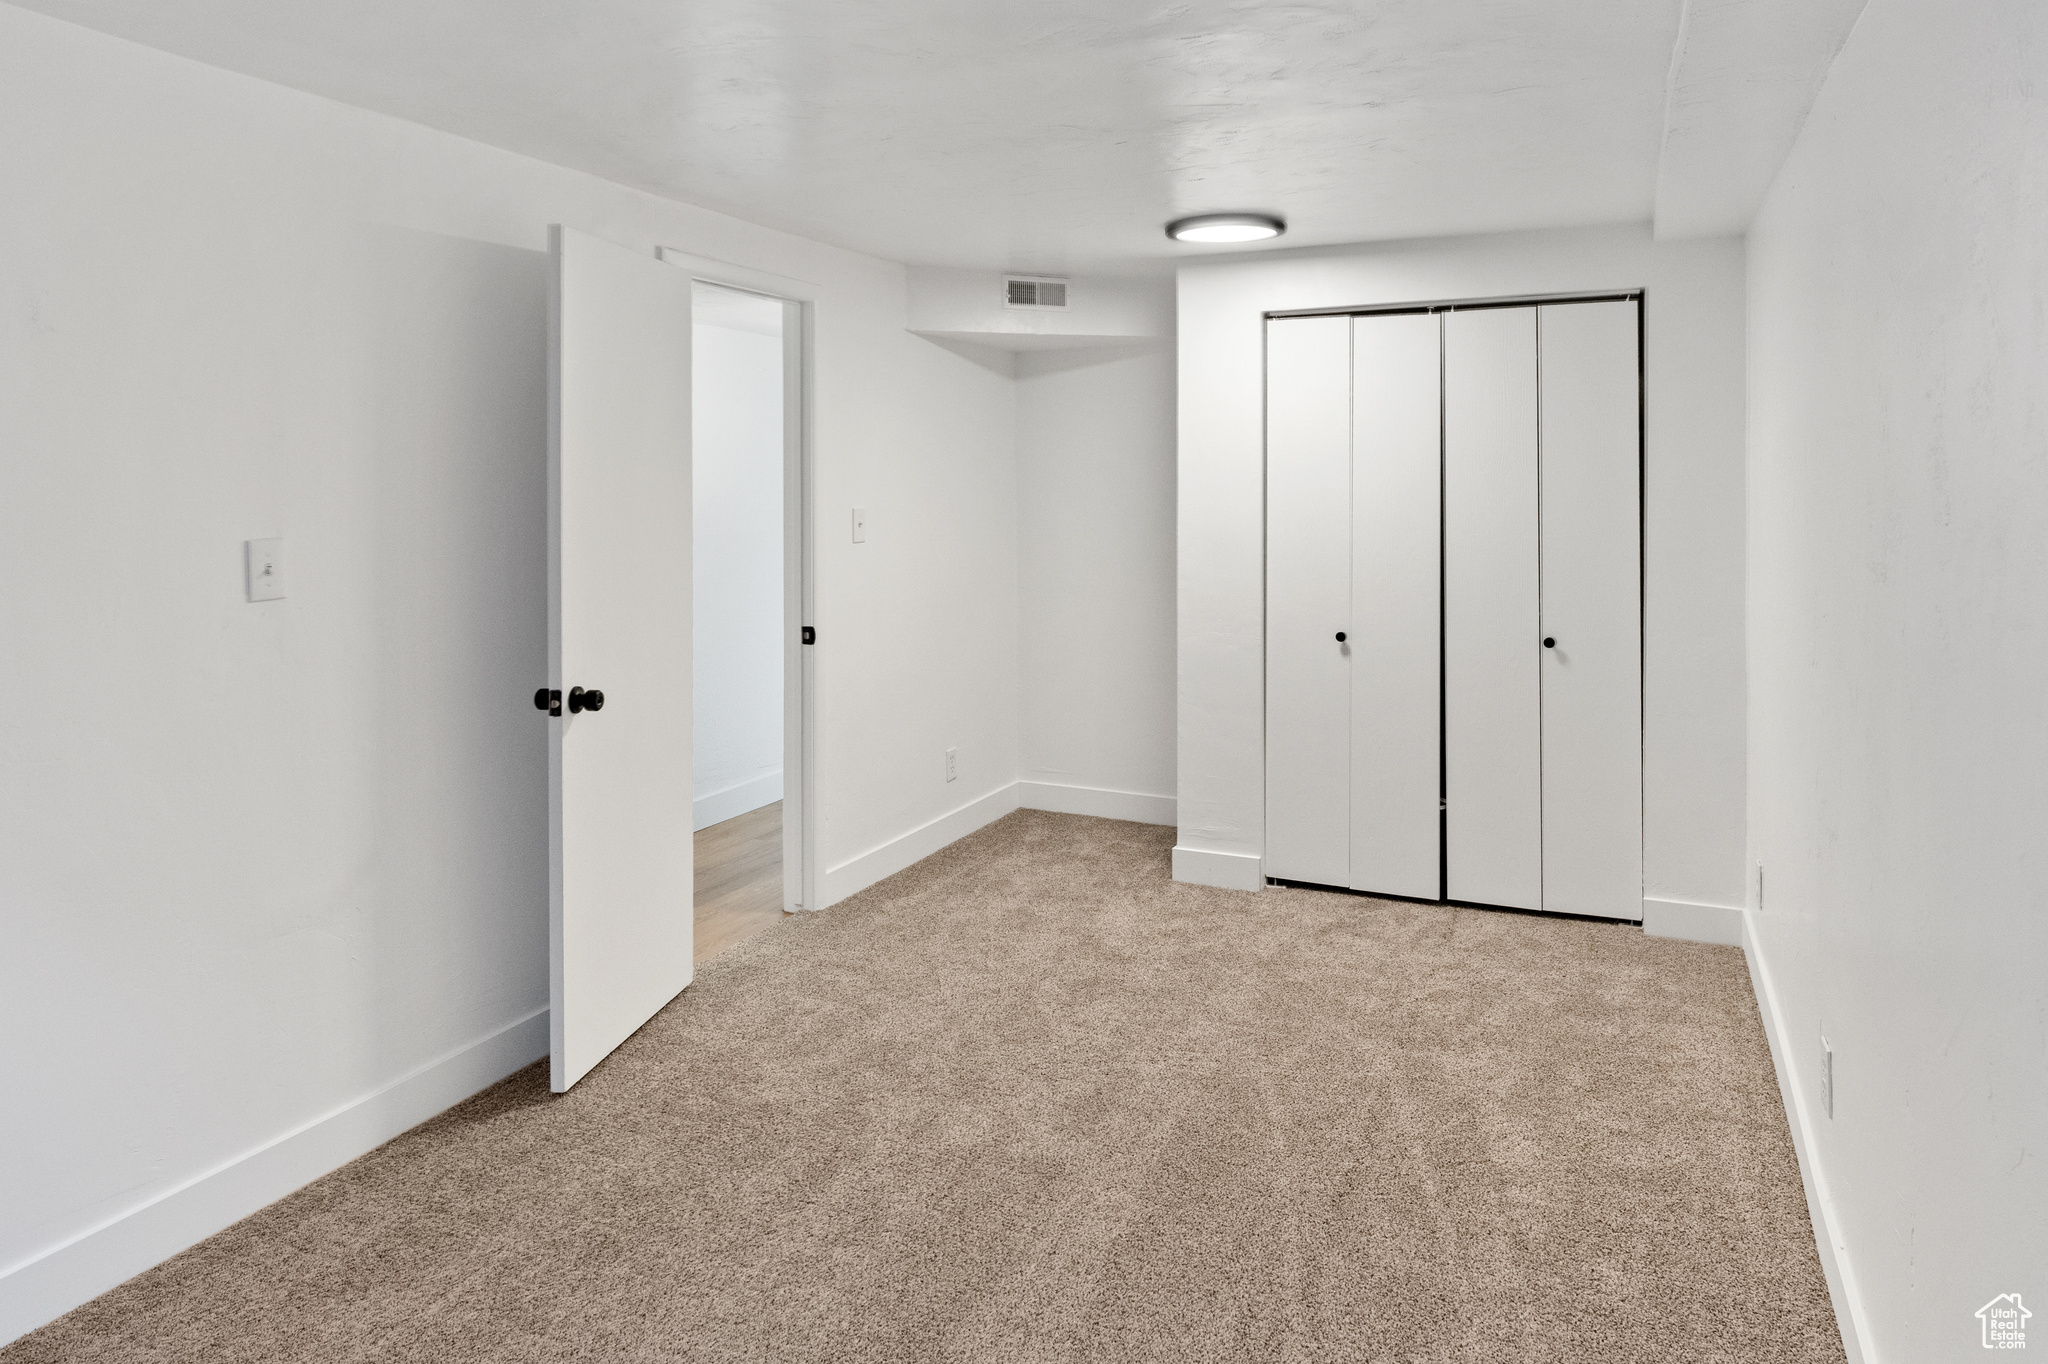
266	569
860	525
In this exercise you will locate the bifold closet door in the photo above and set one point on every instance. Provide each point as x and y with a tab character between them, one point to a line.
1591	434
1308	599
1493	709
1396	483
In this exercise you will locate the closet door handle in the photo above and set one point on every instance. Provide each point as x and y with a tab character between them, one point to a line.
581	700
1340	636
1549	642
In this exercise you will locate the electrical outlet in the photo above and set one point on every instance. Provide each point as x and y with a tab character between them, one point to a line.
1827	1077
952	764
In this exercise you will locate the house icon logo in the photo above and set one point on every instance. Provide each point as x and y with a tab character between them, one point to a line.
2005	1322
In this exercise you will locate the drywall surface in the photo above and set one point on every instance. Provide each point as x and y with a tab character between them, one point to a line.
969	305
1060	135
1898	491
1693	639
1095	560
1742	79
737	626
264	859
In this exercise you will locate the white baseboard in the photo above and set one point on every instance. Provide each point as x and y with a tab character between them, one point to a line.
1820	1204
858	873
44	1288
1695	922
1090	800
1231	871
735	801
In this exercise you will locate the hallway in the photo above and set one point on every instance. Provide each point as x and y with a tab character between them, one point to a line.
738	880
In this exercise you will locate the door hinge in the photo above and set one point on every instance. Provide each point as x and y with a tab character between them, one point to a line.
810	634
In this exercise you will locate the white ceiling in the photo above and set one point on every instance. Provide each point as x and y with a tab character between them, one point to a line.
1054	136
1743	77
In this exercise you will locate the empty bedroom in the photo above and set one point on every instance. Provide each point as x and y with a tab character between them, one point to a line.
987	681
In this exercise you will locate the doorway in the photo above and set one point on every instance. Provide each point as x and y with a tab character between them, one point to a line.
1454	603
747	624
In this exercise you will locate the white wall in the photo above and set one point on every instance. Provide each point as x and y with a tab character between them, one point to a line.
262	861
737	625
1693	673
968	305
1095	463
1898	569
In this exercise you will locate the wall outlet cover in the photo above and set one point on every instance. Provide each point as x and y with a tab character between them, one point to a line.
264	560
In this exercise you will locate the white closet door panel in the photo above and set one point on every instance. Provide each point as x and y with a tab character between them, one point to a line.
1592	606
1493	712
1308	599
1396	482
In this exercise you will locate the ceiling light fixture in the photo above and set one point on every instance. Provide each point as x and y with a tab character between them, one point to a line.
1226	227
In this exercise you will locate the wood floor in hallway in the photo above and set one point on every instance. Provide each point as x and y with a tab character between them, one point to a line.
739	879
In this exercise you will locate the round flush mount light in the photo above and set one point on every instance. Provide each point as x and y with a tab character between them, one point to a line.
1226	227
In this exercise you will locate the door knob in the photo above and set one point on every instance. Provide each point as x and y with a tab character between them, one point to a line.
580	700
549	700
1340	636
1549	642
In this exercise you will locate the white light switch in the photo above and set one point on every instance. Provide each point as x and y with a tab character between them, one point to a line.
266	569
860	525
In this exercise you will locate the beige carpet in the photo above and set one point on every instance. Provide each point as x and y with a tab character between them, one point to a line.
1030	1100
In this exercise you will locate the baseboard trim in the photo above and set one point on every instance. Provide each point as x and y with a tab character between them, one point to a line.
1725	925
1230	871
1850	1318
1090	800
858	873
41	1289
735	801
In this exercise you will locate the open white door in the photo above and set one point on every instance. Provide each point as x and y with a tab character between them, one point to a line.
619	789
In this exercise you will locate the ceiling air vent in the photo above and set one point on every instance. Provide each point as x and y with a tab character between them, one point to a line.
1031	291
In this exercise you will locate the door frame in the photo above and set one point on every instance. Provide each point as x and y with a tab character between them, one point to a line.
1637	295
799	587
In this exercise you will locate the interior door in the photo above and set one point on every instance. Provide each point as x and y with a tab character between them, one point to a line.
1396	479
1591	423
1308	599
1493	758
619	789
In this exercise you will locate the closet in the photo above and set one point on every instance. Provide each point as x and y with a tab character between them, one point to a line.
1454	604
